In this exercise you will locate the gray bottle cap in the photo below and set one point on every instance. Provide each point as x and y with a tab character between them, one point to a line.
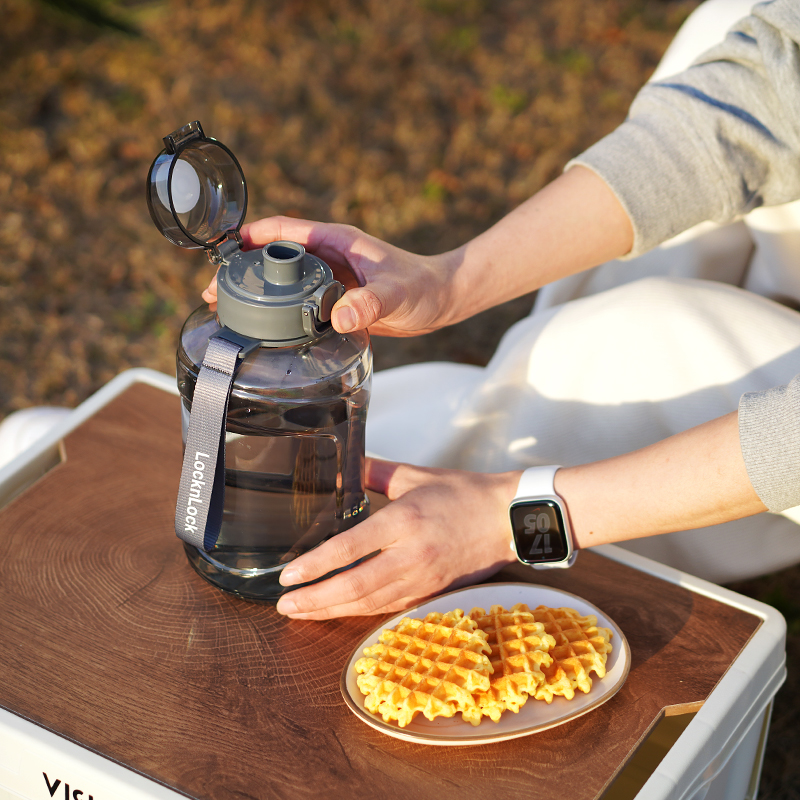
280	295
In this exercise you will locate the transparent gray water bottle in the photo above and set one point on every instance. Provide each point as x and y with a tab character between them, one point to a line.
274	400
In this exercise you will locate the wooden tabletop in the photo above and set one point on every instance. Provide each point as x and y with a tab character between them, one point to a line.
109	638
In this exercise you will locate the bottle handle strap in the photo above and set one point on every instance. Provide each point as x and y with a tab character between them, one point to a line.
198	512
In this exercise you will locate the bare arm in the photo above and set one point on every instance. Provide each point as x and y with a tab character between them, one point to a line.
690	480
447	528
572	224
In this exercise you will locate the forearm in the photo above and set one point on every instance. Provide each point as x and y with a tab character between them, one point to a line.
574	223
448	528
715	141
709	144
690	480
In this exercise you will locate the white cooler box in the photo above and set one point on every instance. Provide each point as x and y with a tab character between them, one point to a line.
716	756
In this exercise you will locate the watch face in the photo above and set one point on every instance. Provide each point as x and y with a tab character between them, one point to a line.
539	532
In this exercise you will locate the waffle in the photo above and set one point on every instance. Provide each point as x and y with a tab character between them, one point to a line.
519	652
434	666
580	648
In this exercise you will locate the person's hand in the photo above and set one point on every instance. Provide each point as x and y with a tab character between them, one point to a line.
444	528
390	291
574	223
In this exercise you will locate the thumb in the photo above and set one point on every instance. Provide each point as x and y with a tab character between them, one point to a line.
362	307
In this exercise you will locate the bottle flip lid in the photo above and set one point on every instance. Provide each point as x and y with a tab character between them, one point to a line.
197	196
196	190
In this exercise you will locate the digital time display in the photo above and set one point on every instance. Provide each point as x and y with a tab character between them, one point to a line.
539	532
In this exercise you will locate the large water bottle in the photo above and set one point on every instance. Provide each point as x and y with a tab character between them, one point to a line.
274	400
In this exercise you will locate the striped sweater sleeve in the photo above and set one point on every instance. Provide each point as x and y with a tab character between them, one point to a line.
769	434
715	141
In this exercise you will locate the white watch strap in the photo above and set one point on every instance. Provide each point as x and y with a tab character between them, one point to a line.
537	482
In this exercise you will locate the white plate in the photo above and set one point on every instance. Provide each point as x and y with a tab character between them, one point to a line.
535	715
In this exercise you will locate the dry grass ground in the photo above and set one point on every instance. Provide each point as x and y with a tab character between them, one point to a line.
422	121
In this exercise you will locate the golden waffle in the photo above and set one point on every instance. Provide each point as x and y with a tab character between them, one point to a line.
580	648
433	666
519	652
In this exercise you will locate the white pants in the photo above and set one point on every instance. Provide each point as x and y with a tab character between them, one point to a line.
623	355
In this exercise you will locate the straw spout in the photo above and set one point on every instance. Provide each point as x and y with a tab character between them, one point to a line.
283	263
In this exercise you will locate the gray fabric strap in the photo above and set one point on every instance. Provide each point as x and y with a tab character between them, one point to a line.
198	513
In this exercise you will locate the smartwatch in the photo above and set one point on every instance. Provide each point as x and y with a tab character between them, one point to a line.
539	522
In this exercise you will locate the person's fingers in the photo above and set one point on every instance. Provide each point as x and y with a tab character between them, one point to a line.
394	596
394	480
273	229
378	473
388	291
210	292
340	551
381	533
341	246
332	243
368	588
327	240
415	558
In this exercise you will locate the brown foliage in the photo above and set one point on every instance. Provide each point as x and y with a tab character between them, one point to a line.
422	121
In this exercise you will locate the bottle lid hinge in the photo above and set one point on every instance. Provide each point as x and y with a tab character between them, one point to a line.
219	252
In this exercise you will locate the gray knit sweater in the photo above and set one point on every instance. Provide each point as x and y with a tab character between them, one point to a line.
713	143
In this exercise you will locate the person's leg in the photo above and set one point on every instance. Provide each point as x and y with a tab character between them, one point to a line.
608	374
412	408
707	252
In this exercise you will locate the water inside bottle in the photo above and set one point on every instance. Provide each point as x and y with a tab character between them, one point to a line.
293	478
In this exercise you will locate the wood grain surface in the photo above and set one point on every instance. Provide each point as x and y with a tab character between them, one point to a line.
109	638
